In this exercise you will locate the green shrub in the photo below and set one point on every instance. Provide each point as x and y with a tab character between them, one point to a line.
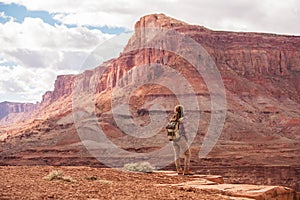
139	167
58	175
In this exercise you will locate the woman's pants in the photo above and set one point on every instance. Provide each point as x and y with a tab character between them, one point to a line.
182	146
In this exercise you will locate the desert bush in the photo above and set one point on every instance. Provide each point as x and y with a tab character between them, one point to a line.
139	167
58	175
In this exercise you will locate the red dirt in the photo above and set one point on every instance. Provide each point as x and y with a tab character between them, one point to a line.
92	183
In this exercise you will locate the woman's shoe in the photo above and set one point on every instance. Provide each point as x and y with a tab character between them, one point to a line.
179	171
188	173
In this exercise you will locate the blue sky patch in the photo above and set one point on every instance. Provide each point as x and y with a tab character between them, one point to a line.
8	64
3	20
109	30
19	12
14	10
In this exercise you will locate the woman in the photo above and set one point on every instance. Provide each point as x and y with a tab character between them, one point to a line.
181	144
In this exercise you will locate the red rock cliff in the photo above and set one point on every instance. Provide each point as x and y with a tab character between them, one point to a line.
9	107
63	86
251	64
266	60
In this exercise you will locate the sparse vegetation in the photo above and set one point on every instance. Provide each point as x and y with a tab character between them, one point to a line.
102	181
58	175
145	167
95	178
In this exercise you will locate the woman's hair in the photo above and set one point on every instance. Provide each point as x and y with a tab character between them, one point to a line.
178	112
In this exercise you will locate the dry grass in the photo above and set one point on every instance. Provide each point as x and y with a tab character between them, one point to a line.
139	167
95	178
58	175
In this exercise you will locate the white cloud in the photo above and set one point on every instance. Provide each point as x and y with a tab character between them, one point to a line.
3	16
24	84
58	60
255	15
34	34
78	6
3	61
35	44
240	15
95	19
21	83
33	53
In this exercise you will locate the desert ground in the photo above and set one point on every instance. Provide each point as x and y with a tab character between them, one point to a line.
29	182
49	182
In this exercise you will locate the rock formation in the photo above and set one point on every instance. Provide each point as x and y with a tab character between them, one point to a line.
62	87
15	112
261	74
10	107
235	191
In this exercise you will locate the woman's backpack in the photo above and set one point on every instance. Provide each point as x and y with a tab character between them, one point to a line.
172	130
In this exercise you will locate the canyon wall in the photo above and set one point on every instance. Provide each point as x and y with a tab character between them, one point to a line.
15	112
269	62
63	86
10	107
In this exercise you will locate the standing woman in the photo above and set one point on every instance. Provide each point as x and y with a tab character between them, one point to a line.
181	143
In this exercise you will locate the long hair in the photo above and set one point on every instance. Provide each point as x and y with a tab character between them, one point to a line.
178	113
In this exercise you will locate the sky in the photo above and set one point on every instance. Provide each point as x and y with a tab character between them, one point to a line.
42	39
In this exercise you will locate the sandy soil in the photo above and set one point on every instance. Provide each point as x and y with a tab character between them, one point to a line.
92	183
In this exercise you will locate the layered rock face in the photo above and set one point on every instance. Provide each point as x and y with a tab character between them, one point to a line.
261	74
269	62
9	107
63	86
15	112
258	57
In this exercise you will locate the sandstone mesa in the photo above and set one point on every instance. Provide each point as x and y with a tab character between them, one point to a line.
261	136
